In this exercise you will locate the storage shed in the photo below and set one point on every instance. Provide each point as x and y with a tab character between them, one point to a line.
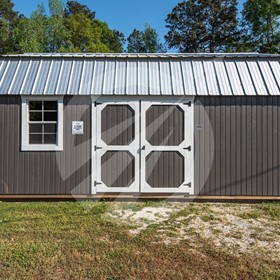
197	125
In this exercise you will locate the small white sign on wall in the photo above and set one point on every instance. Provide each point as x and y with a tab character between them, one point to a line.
77	128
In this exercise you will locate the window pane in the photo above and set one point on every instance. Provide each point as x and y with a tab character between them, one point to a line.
50	116
50	105
35	116
49	138
35	128
50	128
35	139
35	105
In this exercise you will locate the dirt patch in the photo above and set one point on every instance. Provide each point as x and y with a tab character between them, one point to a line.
222	225
144	217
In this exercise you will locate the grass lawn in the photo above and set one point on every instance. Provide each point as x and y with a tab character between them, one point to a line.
139	240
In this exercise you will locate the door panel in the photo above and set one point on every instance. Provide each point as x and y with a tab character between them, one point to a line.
117	145
148	150
167	147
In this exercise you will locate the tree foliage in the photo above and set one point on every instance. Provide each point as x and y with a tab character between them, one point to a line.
136	42
83	35
146	41
261	23
86	34
73	28
56	28
74	7
8	22
194	26
32	33
116	40
203	26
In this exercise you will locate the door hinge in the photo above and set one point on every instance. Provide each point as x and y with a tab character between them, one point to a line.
97	148
189	148
188	103
97	183
97	103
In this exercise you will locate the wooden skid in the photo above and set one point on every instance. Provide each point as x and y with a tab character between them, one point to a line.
171	197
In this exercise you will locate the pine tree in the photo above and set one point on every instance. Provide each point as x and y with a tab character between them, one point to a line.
135	42
151	40
146	41
261	22
203	26
74	7
8	21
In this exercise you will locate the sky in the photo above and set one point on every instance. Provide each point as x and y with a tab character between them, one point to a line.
123	15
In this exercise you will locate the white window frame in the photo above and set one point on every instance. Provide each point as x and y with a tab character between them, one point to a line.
25	146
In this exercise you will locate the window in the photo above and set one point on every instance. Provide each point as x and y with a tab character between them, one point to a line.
42	124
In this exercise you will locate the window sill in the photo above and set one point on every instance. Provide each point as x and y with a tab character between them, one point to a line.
41	148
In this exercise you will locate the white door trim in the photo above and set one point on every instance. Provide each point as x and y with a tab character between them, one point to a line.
102	148
188	185
140	127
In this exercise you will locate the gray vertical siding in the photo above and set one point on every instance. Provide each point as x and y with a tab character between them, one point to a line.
164	125
164	169
117	169
117	125
237	146
63	172
237	149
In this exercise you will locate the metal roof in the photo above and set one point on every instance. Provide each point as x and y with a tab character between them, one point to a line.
140	74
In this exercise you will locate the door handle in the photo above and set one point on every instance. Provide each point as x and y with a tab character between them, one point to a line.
140	149
189	148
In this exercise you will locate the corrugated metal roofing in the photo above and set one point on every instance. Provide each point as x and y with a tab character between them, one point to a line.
140	74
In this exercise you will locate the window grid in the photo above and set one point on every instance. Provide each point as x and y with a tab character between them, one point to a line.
43	123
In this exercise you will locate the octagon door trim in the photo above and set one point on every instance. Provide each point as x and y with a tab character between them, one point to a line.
140	148
116	153
184	148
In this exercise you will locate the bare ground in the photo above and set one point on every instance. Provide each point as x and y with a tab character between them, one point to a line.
238	229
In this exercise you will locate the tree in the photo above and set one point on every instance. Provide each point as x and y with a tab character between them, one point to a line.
135	42
32	33
83	35
203	26
57	31
86	34
73	29
74	7
146	41
8	21
151	40
116	41
113	39
261	23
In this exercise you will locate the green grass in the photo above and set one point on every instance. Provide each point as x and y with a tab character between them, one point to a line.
272	210
80	241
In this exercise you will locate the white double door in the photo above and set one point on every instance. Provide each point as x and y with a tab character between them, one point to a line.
143	146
